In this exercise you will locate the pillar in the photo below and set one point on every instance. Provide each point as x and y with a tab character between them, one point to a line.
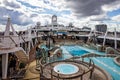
36	41
51	74
4	66
29	46
105	38
25	46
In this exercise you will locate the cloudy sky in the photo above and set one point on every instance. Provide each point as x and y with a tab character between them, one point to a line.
25	13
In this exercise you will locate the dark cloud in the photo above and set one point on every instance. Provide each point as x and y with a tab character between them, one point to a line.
33	15
85	8
11	4
100	19
14	15
46	1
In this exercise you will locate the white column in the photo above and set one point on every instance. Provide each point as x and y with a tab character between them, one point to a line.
29	46
29	33
36	40
4	66
105	38
90	34
115	40
26	46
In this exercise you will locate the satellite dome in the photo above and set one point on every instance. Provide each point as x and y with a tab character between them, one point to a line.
38	23
70	24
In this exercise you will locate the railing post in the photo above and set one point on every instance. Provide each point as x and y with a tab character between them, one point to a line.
51	74
90	63
58	74
82	59
81	77
91	72
41	69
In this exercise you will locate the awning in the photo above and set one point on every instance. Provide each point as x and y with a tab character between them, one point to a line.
61	33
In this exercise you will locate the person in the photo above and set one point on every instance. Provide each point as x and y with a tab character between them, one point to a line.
12	64
48	53
53	41
38	51
38	55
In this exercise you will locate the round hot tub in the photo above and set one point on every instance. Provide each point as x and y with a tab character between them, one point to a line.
66	69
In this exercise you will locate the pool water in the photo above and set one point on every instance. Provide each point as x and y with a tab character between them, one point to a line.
108	65
75	50
66	69
105	63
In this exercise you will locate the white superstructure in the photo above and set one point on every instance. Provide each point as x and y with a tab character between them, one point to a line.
55	26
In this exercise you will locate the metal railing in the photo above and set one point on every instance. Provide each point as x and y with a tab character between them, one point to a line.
43	63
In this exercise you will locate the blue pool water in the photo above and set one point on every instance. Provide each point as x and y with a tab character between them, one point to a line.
75	50
66	69
105	63
108	65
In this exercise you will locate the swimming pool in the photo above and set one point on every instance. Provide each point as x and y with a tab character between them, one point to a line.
75	50
103	62
66	69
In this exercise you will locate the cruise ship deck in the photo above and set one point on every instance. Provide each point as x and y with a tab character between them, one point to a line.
42	53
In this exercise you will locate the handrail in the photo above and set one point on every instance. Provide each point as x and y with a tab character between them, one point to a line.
90	69
72	77
13	41
22	38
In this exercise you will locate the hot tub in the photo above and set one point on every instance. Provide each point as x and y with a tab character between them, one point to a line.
66	69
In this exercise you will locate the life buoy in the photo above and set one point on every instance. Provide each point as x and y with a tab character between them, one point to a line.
111	52
58	54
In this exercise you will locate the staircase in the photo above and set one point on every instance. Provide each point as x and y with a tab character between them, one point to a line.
21	55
